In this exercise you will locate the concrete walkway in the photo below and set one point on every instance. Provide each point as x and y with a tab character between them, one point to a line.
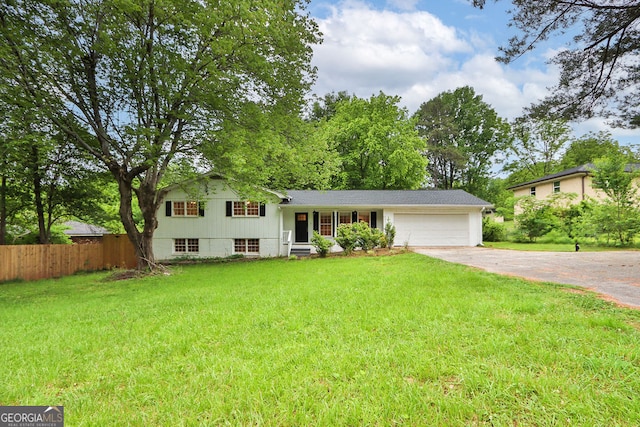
614	274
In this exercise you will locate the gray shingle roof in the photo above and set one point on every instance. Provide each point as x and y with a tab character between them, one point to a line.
583	170
77	228
383	198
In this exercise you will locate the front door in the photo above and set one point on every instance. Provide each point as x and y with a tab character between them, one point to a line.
302	227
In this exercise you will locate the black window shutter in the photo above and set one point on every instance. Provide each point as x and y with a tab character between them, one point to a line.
263	209
354	216
374	219
200	209
316	222
167	208
229	208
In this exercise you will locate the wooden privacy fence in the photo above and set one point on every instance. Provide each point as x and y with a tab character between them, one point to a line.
33	262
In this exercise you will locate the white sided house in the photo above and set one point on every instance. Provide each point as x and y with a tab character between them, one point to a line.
220	223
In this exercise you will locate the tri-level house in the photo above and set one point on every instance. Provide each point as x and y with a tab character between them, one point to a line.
213	220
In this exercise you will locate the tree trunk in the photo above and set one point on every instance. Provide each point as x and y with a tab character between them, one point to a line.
43	238
142	241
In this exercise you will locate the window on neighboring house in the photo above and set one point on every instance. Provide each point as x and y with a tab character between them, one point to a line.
344	218
532	191
246	246
186	245
326	223
556	186
246	209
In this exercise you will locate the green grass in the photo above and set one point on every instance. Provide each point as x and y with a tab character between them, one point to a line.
555	247
404	339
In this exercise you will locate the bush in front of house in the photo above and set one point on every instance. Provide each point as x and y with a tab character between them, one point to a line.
368	238
493	231
359	235
346	238
322	244
389	234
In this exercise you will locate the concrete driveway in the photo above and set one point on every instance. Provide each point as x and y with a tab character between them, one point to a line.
614	274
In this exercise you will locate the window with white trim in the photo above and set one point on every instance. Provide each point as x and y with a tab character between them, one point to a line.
181	246
326	223
185	208
246	209
344	218
556	186
246	246
532	191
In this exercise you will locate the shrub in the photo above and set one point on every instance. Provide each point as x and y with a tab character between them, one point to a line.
493	231
346	238
389	234
322	245
368	238
536	219
556	236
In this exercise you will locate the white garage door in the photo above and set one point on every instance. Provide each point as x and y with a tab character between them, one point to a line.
432	230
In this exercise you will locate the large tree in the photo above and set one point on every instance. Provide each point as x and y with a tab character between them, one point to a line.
537	148
139	84
464	136
592	146
618	215
599	73
377	144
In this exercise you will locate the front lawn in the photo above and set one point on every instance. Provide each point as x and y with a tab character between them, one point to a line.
402	339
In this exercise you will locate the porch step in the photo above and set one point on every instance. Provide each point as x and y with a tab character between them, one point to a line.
300	252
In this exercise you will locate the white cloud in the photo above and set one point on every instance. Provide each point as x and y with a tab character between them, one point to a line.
365	50
413	54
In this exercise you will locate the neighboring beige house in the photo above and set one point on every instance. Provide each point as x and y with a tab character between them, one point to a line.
576	180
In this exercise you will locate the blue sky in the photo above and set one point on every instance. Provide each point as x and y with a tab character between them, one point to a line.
419	48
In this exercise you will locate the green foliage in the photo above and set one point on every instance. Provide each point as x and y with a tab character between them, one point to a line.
598	73
57	236
322	244
368	238
359	341
377	144
147	84
588	148
493	231
536	218
389	234
463	135
359	235
346	238
536	148
618	217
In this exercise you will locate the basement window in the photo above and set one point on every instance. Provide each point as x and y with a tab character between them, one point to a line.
246	246
181	246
